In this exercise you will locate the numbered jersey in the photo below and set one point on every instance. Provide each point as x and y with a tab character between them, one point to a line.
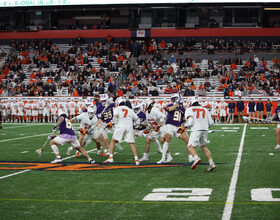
86	122
201	116
176	116
105	113
66	126
155	117
126	116
142	117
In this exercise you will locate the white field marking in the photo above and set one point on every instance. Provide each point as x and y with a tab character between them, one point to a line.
24	152
24	171
271	154
222	135
223	124
259	128
225	128
263	135
231	192
12	139
177	153
3	134
21	134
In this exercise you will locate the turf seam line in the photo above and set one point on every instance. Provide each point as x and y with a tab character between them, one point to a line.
231	192
12	139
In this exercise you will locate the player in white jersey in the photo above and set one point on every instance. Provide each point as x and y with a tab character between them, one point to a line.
222	110
88	131
214	110
40	105
81	105
28	110
53	106
14	109
20	111
124	117
4	111
46	112
34	111
72	108
199	120
155	119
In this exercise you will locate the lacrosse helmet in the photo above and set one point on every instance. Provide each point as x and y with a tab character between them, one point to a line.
91	111
136	108
103	99
174	98
120	100
62	112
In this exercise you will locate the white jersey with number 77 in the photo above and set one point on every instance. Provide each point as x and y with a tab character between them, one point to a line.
201	116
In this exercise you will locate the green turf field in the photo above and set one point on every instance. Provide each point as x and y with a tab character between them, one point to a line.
32	188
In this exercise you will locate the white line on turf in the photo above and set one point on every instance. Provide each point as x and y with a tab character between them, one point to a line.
24	171
231	192
12	139
24	152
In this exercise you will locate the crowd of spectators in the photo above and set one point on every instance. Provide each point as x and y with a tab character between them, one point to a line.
136	68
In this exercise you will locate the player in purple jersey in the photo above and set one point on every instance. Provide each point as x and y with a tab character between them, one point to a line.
174	120
277	115
67	136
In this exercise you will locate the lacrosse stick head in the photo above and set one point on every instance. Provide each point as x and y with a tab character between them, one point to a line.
39	151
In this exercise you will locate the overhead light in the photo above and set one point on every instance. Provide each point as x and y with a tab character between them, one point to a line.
271	9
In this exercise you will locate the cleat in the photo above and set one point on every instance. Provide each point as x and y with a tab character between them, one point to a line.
110	160
211	167
91	161
277	147
102	154
169	159
69	150
161	161
137	162
195	163
57	160
144	159
77	154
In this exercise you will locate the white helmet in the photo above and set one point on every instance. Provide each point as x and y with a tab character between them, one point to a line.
103	98
136	107
91	111
174	98
193	100
119	100
62	112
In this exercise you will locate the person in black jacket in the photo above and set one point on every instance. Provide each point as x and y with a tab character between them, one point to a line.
268	107
260	109
251	108
240	110
231	110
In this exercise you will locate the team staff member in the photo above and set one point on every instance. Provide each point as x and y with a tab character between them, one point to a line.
240	110
231	108
268	107
251	107
275	115
260	108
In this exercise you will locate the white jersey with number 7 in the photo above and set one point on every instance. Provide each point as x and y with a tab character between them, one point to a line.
126	116
201	116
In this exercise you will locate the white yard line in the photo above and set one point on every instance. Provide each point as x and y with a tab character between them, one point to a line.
12	139
231	192
24	126
24	171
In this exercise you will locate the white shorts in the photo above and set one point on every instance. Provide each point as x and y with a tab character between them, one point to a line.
34	112
14	112
62	141
28	112
40	111
278	126
20	113
124	131
198	138
214	112
223	113
138	133
46	113
172	130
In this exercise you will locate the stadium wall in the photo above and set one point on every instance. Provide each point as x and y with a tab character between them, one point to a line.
204	33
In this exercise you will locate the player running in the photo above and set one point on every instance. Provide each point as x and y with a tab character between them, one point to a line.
174	119
67	136
199	120
124	117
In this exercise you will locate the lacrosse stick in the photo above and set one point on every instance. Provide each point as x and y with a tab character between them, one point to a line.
40	150
247	119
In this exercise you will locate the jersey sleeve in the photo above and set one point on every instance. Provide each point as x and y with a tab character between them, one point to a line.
188	113
209	118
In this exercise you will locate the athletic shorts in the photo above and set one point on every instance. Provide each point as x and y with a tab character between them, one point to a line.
223	113
278	126
34	112
172	130
153	134
124	131
62	141
198	138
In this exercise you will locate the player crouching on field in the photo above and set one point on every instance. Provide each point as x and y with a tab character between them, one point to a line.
123	120
67	136
199	120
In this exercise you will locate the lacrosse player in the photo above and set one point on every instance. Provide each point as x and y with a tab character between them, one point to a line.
156	121
277	115
124	117
67	136
222	108
199	120
174	119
